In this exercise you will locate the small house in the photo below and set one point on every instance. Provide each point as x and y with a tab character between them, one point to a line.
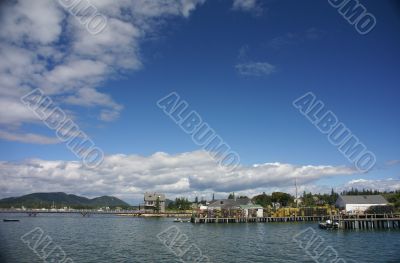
152	200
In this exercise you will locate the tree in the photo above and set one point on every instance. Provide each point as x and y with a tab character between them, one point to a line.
196	200
283	198
308	199
231	196
157	205
180	204
333	197
264	200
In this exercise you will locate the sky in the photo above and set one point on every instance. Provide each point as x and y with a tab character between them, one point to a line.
239	64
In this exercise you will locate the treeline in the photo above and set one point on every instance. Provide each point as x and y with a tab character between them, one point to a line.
310	199
180	204
265	200
306	199
355	191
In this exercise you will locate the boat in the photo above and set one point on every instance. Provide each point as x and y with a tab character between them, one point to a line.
328	225
180	220
10	220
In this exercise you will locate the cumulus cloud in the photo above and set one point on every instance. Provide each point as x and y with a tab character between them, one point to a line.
43	46
128	176
255	68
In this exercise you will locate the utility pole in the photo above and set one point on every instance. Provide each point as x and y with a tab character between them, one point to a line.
295	184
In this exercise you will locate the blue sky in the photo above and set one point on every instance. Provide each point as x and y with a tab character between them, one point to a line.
293	47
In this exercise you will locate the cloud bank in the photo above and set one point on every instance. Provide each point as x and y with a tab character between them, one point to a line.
128	176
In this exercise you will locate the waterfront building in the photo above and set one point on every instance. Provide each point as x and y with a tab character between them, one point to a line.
359	203
252	210
152	200
242	207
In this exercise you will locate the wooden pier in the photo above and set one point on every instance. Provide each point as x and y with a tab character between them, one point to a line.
206	220
369	221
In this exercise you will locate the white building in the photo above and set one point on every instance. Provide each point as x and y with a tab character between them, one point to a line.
359	203
252	210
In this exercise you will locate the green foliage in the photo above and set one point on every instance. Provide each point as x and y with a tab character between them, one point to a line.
157	207
264	200
394	198
180	204
309	199
355	191
277	197
283	198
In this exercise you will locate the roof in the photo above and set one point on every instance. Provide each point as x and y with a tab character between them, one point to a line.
230	203
363	199
251	207
153	196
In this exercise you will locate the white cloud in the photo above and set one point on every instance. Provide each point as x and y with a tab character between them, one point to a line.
128	176
109	115
248	6
36	21
28	138
43	46
255	68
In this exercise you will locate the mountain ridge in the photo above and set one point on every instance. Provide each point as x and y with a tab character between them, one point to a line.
61	199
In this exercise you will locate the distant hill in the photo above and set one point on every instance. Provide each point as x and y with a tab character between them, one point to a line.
40	200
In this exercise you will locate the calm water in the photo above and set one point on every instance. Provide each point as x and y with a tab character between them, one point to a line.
122	239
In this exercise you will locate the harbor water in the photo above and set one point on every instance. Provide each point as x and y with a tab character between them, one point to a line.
109	238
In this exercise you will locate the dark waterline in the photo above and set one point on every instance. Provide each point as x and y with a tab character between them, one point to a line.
104	238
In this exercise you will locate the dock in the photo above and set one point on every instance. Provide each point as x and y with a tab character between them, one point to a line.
367	221
205	220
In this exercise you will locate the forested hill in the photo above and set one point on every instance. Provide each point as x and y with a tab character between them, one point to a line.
46	200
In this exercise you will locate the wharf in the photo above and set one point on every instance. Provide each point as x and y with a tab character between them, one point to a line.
257	219
367	221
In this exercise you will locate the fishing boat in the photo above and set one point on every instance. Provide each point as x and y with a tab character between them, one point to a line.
180	220
328	225
10	220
